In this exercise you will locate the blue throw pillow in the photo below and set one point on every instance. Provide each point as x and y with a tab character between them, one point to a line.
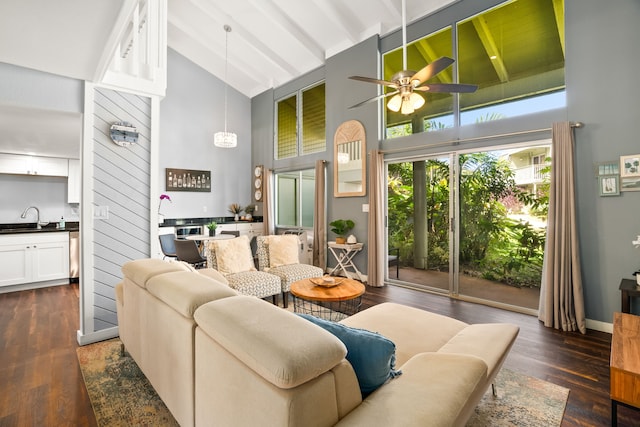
372	356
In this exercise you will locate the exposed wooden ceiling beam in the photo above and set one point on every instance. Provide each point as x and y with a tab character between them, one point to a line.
558	10
280	18
430	55
260	48
490	47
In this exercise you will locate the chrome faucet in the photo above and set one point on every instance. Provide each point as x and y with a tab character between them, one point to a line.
24	215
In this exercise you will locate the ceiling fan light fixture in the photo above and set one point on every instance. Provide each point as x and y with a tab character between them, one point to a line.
225	139
416	100
395	103
407	108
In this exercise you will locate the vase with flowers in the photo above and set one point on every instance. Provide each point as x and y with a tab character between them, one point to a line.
235	209
162	198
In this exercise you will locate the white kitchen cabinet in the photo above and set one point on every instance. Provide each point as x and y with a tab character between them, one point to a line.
249	229
33	165
73	182
34	257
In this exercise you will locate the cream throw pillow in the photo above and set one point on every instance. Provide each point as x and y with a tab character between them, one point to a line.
233	255
283	250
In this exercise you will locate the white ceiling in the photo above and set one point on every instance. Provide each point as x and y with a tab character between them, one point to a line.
271	43
275	41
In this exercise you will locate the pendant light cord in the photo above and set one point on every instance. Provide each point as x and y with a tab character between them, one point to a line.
227	30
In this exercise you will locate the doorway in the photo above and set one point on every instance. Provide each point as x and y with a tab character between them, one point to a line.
471	224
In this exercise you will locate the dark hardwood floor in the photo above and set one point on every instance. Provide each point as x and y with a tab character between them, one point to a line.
41	383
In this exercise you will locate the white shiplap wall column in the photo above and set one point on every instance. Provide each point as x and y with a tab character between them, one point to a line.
117	179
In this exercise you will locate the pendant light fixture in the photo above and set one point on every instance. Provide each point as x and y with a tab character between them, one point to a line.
225	139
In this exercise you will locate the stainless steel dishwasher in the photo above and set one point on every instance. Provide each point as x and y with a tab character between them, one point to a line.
74	256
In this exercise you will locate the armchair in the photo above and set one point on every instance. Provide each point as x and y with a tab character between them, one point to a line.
232	258
280	256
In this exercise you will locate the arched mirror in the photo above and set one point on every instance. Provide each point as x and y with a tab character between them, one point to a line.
349	160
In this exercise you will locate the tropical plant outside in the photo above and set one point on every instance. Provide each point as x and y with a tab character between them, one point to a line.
495	243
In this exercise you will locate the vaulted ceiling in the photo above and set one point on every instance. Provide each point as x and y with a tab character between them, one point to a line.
271	43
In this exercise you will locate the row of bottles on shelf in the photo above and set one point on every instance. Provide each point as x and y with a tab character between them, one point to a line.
186	180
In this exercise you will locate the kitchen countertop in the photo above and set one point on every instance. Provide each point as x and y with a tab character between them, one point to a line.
31	227
177	222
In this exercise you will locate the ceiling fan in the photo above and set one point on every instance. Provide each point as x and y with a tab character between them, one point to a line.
407	82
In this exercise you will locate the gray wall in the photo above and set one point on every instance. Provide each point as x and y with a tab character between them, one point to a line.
602	56
190	114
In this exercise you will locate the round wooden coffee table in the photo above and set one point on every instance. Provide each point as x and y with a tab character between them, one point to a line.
330	303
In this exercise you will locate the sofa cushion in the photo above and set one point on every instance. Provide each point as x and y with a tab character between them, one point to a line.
372	356
232	255
213	274
141	270
283	250
411	329
435	390
280	347
185	291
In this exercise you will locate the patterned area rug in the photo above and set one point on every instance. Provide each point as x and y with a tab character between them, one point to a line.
522	401
122	396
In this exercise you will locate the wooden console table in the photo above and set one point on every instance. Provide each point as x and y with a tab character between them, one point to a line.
629	289
625	363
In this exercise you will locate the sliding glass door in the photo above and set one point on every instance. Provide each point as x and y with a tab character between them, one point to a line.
471	224
418	221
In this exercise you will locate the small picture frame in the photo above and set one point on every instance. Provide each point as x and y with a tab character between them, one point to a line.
630	165
630	183
609	185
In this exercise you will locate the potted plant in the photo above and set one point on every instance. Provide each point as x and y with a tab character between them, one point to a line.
212	228
249	210
341	227
235	209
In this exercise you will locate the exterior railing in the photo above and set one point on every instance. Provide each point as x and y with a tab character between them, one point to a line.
530	174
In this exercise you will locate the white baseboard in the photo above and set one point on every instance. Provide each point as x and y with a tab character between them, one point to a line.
597	325
105	334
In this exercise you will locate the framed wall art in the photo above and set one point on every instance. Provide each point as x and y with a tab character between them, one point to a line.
630	165
630	172
188	180
609	185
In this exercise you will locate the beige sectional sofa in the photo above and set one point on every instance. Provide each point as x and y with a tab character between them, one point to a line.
219	358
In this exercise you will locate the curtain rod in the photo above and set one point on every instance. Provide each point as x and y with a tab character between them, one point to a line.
478	138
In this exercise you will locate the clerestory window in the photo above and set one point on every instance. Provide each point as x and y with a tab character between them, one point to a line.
514	52
300	123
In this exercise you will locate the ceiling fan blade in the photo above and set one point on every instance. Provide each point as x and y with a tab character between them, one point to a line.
375	98
447	87
372	80
431	70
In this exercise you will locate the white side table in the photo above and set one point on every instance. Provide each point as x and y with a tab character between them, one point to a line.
344	254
